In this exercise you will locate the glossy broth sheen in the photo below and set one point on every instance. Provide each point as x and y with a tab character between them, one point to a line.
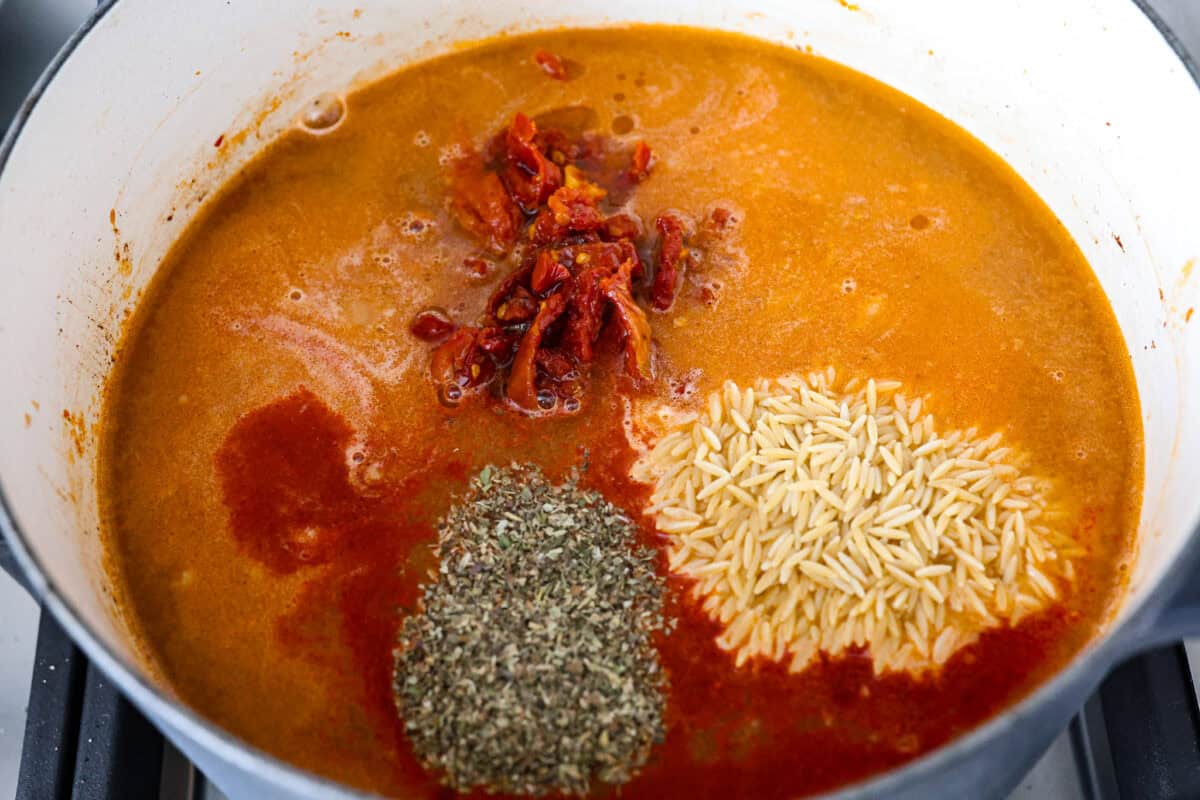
874	236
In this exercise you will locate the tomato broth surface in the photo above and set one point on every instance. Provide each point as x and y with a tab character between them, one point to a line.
272	358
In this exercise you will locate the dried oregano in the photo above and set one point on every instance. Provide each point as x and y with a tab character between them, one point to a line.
530	667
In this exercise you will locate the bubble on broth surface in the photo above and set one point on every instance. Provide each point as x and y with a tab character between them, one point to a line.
323	113
416	226
421	139
450	396
450	153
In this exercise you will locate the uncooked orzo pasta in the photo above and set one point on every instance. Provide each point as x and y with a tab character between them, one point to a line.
814	517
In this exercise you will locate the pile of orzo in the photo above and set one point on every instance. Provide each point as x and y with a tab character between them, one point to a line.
818	518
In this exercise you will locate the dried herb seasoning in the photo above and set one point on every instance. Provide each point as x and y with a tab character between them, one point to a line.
530	667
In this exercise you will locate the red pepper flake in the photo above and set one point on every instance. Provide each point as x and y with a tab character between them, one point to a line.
551	64
220	140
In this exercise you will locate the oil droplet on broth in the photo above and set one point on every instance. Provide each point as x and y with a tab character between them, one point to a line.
323	113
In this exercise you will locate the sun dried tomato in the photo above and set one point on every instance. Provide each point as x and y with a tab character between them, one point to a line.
551	64
578	266
478	267
507	286
574	209
670	261
569	210
460	365
548	272
528	174
560	382
556	365
721	219
467	361
522	380
639	167
630	321
482	205
432	325
630	254
621	226
606	255
585	317
519	306
557	146
499	343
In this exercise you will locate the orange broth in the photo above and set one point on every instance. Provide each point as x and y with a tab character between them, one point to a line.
272	359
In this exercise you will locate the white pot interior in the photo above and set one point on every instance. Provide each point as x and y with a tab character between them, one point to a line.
1082	97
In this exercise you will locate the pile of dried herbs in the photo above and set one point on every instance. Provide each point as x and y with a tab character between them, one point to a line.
530	668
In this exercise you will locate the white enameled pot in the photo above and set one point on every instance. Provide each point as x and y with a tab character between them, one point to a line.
114	154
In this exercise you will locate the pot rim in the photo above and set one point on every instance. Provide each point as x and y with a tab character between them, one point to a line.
157	701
